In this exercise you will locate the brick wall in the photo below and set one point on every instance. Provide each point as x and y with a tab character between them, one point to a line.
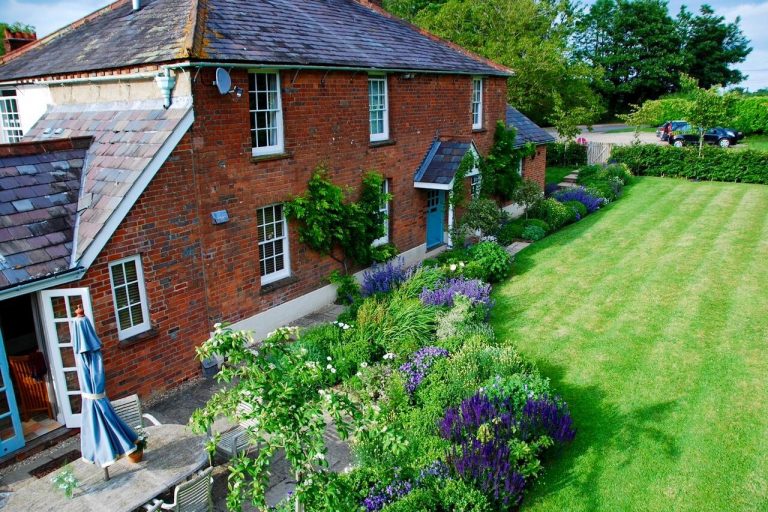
326	121
535	167
163	227
197	273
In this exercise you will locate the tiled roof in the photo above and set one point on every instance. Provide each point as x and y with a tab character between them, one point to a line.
39	185
126	137
113	37
442	161
330	33
527	130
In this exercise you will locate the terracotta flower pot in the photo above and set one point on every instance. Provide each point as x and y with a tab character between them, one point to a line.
136	456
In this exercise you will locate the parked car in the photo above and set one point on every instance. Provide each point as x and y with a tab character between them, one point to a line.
664	130
723	137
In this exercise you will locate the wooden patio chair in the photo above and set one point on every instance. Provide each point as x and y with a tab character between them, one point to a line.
128	409
28	372
235	440
191	496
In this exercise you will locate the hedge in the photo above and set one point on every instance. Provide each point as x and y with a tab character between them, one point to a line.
748	114
559	153
715	164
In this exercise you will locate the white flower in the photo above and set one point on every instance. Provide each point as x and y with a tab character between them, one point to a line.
363	365
345	326
461	264
333	370
319	456
358	374
389	355
453	267
329	358
272	366
217	325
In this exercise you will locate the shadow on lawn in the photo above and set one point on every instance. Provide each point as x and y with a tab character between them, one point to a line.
606	439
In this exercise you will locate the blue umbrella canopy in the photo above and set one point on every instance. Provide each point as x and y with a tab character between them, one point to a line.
104	437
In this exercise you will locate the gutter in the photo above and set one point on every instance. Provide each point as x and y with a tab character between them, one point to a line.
41	283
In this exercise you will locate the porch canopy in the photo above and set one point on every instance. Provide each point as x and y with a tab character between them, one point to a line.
439	167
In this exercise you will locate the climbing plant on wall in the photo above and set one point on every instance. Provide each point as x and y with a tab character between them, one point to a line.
333	225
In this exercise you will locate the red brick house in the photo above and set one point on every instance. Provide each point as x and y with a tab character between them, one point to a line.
148	152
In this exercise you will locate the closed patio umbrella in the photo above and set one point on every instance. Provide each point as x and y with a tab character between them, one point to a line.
104	437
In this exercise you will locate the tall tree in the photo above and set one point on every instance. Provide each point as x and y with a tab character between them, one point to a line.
637	45
529	36
711	46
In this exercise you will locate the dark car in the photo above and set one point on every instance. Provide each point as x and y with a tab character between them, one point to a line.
723	137
664	130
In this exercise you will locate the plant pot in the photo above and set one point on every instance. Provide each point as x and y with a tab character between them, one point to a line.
136	456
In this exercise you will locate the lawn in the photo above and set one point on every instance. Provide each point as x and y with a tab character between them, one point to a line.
651	319
556	174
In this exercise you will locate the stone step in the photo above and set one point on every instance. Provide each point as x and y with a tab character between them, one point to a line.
516	247
566	184
572	177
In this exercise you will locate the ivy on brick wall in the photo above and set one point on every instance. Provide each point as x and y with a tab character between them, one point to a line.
333	225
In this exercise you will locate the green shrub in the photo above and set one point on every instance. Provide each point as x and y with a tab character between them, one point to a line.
489	262
510	231
318	341
578	207
554	213
482	215
715	164
560	154
533	233
537	222
750	114
425	276
347	287
444	495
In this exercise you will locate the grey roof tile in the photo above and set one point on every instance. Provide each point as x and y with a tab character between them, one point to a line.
329	33
36	239
527	130
442	161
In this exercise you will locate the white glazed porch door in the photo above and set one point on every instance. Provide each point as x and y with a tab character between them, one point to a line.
58	308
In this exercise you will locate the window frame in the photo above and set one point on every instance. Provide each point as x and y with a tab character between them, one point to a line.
10	134
144	326
385	210
384	135
279	147
475	185
477	99
286	270
520	167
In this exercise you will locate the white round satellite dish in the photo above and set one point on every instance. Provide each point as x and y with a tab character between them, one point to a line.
223	81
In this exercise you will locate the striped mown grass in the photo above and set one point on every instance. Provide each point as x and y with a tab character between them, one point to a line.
651	319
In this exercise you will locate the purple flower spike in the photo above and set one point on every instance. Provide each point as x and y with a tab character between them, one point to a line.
418	366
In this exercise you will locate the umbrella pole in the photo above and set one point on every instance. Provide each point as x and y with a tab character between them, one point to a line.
106	474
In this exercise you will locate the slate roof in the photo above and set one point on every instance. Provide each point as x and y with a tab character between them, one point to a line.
114	36
527	130
38	202
126	137
328	33
442	161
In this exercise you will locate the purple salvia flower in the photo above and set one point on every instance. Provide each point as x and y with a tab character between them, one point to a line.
385	277
419	364
475	290
580	194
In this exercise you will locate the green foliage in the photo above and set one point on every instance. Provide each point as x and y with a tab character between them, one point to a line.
528	195
637	44
489	262
276	393
348	289
66	481
482	215
448	495
708	108
561	153
14	27
533	233
501	168
453	324
539	223
509	232
423	277
711	46
578	207
715	164
554	213
329	223
749	114
529	36
458	197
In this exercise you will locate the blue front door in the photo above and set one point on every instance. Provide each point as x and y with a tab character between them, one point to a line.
435	211
11	433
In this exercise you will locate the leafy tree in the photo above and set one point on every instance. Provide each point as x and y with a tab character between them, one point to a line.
707	109
710	46
637	45
529	36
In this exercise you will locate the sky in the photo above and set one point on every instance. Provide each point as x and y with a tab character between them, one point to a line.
49	15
